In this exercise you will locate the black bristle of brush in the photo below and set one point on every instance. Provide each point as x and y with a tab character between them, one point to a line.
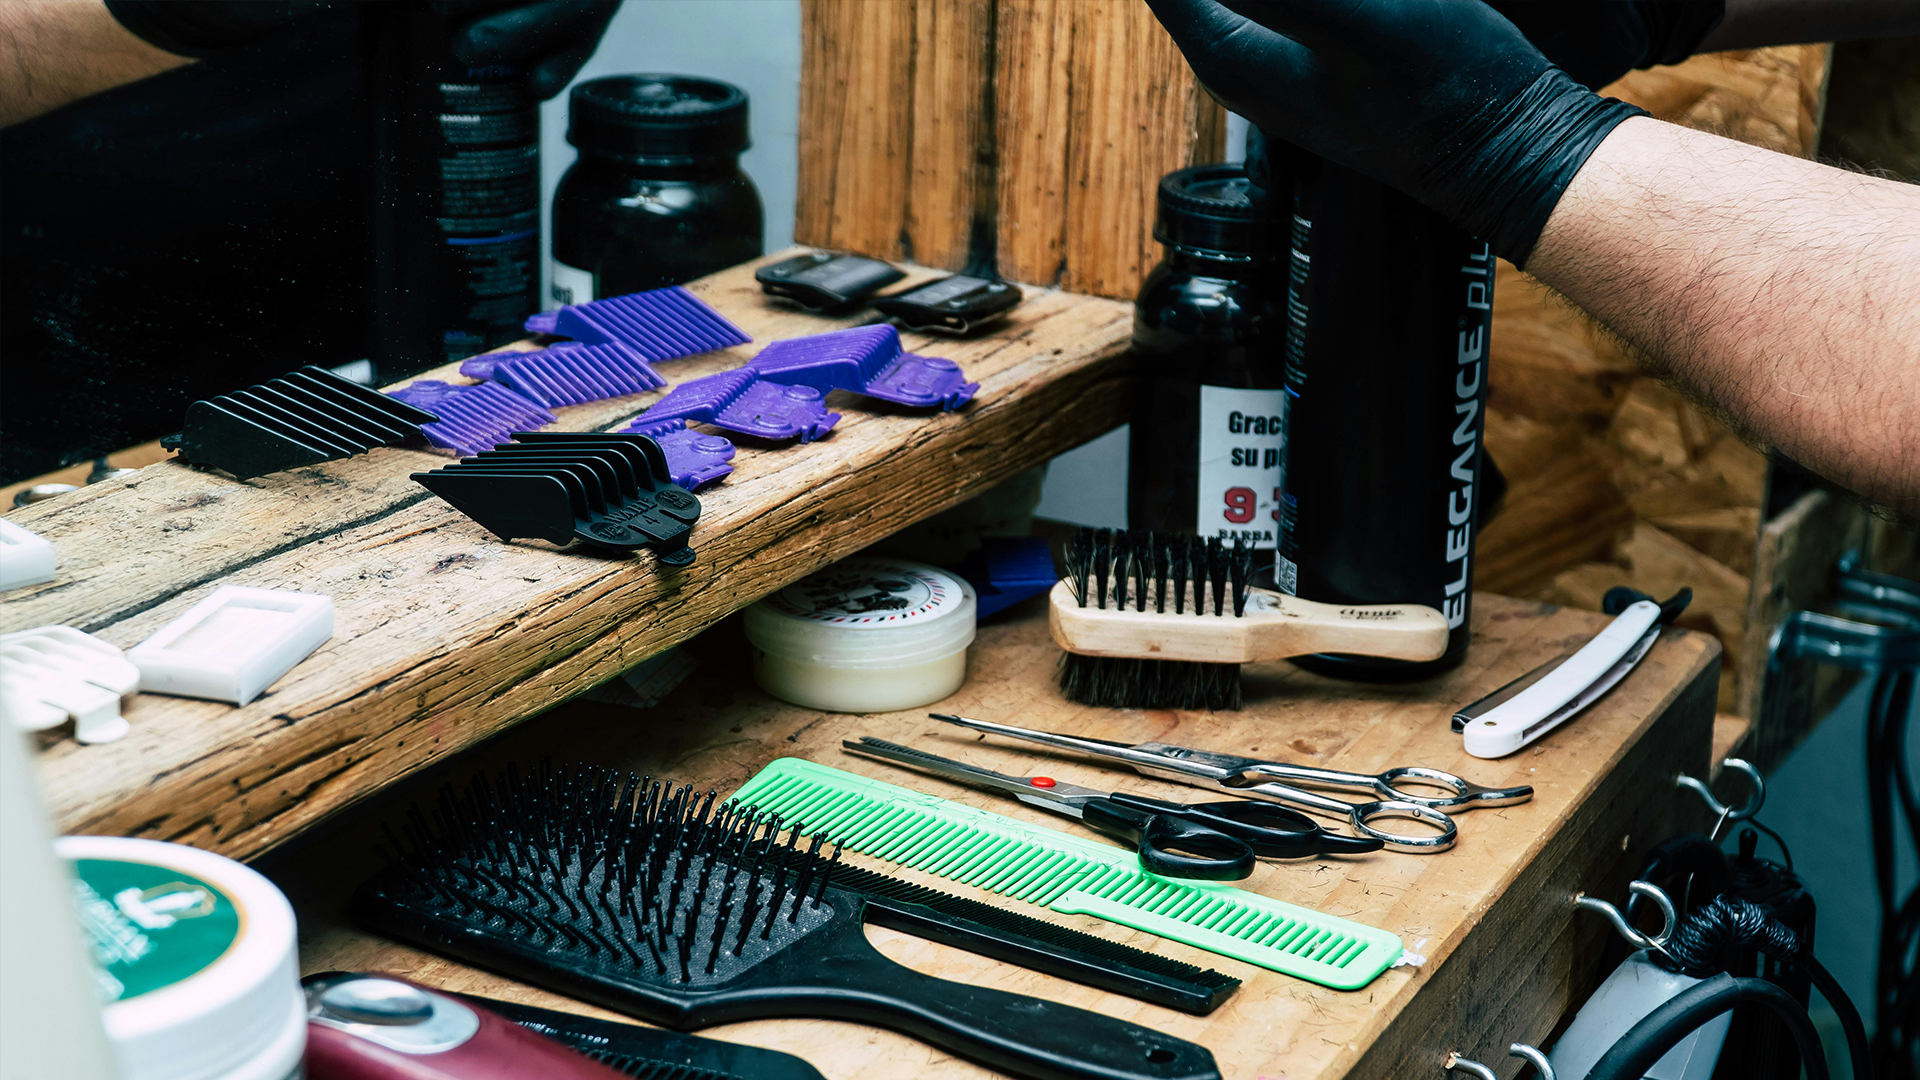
1203	576
604	871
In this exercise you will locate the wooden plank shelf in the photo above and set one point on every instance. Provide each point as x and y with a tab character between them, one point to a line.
445	635
1505	952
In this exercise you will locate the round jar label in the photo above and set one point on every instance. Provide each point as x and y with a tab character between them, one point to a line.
869	592
150	926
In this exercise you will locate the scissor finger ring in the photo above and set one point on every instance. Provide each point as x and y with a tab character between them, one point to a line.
1446	832
1467	795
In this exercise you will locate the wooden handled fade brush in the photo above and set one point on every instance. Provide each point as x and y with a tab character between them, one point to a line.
1164	621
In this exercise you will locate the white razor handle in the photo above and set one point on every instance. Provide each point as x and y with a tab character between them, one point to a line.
1567	689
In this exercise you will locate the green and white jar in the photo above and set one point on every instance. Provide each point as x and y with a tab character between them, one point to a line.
196	961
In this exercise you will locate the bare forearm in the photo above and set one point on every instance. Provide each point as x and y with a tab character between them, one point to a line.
57	51
1786	292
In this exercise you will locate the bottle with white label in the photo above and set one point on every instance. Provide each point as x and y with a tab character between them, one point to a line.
1209	339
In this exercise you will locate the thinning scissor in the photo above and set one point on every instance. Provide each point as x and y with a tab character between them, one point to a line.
1199	841
1275	781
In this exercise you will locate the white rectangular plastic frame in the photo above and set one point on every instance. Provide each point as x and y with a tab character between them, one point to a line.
25	558
234	644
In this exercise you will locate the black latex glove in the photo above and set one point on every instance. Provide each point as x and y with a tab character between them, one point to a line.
1597	41
201	28
551	39
1443	99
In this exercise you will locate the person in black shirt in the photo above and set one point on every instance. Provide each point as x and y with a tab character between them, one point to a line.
185	200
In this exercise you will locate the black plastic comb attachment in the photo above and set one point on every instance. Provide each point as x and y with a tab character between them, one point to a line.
611	491
588	882
302	418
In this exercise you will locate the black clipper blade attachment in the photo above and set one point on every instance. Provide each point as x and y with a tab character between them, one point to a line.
611	491
304	417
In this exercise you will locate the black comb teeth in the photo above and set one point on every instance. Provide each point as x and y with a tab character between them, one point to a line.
1169	572
611	491
302	418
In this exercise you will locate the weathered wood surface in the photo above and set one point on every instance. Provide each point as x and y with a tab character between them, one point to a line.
1505	952
446	635
1027	131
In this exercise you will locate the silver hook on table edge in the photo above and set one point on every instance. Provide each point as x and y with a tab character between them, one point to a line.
1721	810
1533	1057
1638	940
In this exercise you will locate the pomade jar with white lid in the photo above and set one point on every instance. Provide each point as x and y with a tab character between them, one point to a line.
196	958
864	635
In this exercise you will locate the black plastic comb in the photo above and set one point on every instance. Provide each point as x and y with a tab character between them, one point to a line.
650	1053
302	418
1161	572
650	900
611	491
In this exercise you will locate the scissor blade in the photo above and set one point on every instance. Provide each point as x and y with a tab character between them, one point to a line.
1146	756
1065	798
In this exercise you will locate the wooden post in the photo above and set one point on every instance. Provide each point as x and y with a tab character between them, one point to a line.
1020	135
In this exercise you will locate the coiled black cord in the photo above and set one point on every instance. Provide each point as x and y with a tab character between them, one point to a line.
1706	938
1662	1029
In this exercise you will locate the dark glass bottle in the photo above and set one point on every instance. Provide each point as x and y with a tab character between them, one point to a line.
456	200
1209	341
1387	387
657	196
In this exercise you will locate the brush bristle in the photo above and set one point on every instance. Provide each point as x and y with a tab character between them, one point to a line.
603	869
1121	570
1118	682
1160	572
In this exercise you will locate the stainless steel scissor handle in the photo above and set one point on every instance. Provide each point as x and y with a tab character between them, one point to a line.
1361	816
1466	795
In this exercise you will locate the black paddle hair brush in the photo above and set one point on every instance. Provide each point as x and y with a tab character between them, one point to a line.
654	901
1160	572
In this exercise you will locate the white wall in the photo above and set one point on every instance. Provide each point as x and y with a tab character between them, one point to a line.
753	44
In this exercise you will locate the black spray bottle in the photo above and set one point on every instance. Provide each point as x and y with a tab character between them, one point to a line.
1389	312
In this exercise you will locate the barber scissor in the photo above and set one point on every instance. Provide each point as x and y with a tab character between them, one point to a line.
1274	780
1203	842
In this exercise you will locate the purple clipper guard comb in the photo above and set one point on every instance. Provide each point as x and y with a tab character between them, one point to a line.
568	373
472	418
866	360
694	460
658	325
740	400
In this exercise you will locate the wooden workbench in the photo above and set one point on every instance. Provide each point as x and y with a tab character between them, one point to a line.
445	635
1505	952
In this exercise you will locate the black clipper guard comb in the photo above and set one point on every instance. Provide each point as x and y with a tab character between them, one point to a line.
302	418
611	491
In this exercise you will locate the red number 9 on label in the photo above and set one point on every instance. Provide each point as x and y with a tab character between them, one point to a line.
1240	505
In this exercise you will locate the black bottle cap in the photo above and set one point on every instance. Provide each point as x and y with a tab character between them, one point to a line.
1208	209
658	119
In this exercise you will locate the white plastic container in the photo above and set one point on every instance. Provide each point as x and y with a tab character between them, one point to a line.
26	558
234	644
196	961
864	635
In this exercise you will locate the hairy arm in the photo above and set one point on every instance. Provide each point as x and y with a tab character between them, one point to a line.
1785	292
57	51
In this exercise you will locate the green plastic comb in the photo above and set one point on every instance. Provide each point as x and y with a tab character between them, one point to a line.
1068	874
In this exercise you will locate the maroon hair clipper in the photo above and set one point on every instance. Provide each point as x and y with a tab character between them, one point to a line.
375	1027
